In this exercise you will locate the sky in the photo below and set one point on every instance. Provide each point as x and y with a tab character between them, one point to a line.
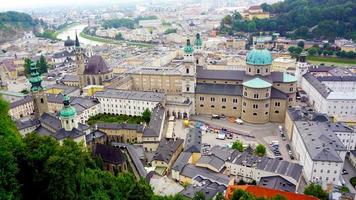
19	5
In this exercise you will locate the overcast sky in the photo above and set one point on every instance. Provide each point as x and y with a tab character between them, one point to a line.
28	4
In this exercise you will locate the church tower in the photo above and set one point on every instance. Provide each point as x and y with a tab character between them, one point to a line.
68	115
302	68
79	60
39	97
198	48
188	73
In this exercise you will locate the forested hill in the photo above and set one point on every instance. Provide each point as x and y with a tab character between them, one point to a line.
317	19
13	24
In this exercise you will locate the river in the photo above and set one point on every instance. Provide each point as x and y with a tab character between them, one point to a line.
71	33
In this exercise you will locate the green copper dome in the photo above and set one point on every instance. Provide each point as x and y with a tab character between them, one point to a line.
198	42
67	111
257	83
259	57
188	47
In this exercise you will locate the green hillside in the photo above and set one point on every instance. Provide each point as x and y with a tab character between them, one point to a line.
308	19
12	24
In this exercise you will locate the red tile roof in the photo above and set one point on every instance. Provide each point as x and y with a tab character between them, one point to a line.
266	192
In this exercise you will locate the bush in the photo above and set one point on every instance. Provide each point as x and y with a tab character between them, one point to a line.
353	181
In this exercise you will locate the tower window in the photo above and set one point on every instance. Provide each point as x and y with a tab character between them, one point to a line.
42	100
245	93
212	99
258	71
255	96
255	114
249	69
223	99
277	104
255	106
276	111
223	107
187	70
266	70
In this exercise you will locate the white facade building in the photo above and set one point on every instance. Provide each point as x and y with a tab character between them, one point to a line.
125	102
320	152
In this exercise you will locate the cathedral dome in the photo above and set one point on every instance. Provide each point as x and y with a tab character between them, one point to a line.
67	111
96	65
188	47
68	42
259	57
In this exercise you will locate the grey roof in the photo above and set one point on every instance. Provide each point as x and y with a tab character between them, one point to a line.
181	161
224	153
129	94
50	121
277	77
193	141
166	149
277	182
340	127
193	171
85	102
234	75
280	167
116	126
109	154
277	94
22	124
208	188
211	160
134	156
74	133
321	142
305	115
96	65
55	98
43	131
70	78
219	89
62	54
156	122
25	100
319	86
94	135
353	152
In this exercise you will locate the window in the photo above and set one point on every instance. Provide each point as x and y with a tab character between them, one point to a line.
234	100
187	89
223	100
212	99
244	103
267	94
243	111
235	108
255	96
201	105
42	100
245	93
258	71
255	106
223	107
290	99
276	111
201	98
267	104
249	69
291	89
266	113
212	106
277	103
267	70
187	70
255	114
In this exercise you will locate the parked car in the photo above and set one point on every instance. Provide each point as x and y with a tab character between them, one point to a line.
344	172
239	121
215	116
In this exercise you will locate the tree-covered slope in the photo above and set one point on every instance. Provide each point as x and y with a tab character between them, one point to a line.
13	24
318	19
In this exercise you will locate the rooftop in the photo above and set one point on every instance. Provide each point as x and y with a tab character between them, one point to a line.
109	154
166	149
131	95
257	83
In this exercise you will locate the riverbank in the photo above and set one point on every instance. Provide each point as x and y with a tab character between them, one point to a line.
112	41
67	27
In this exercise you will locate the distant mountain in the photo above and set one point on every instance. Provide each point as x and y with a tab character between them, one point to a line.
309	19
13	24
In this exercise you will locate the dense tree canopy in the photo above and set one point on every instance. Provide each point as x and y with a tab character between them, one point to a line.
320	19
117	23
316	190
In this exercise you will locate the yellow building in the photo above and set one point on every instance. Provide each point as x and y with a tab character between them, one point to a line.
90	90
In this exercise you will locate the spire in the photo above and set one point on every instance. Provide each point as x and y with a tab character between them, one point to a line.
188	47
77	44
67	111
35	78
198	42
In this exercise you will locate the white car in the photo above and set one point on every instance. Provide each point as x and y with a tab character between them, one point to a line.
239	121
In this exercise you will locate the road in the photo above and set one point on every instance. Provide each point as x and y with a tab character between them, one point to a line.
351	173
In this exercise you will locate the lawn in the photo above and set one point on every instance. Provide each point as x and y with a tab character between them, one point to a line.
108	118
331	59
112	41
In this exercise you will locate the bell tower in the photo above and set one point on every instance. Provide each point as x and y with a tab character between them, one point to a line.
188	73
198	48
68	115
39	97
79	60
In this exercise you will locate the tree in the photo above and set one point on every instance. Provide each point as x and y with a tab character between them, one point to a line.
42	65
238	146
312	51
316	190
25	91
241	195
119	36
27	66
295	51
146	115
260	150
301	44
199	196
219	196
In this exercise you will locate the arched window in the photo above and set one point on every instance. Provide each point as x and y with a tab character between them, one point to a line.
258	71
187	70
